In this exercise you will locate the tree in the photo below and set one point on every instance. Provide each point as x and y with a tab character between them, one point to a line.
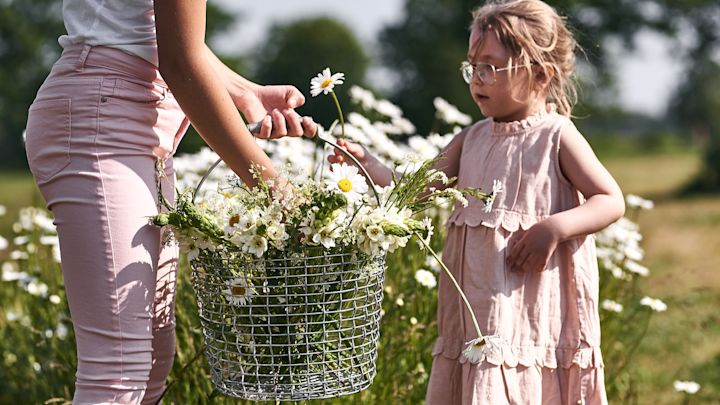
426	47
296	52
695	107
28	47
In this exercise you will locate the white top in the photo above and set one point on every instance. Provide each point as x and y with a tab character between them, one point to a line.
128	25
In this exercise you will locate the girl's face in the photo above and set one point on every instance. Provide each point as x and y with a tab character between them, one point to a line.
504	100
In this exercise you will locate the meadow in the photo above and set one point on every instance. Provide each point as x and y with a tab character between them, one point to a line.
682	251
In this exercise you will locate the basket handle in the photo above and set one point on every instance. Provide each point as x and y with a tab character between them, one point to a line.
254	128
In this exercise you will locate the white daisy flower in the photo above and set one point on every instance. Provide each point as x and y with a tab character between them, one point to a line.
324	82
449	113
689	387
238	291
480	348
654	304
425	278
375	233
256	245
347	180
634	201
612	306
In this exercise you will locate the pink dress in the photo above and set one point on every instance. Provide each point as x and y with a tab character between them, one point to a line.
548	321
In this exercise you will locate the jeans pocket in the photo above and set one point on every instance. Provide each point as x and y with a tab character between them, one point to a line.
48	136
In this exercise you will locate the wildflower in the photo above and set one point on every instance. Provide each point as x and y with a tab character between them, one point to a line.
399	302
61	331
634	201
654	304
413	321
637	268
612	306
496	189
689	387
55	299
37	288
480	348
324	82
256	245
3	243
449	113
425	278
3	210
347	180
238	291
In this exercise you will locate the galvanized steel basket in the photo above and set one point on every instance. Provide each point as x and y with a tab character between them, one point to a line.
292	325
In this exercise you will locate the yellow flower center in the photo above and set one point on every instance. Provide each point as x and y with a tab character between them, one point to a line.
345	185
237	290
326	83
234	220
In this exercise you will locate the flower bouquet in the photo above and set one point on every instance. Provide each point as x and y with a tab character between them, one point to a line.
289	285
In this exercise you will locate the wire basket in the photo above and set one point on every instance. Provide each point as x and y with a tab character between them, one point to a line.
292	325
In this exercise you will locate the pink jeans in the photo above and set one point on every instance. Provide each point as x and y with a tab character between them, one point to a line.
94	133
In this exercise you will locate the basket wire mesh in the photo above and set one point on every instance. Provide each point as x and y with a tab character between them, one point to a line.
290	326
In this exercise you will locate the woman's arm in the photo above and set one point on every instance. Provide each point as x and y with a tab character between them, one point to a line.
192	77
604	205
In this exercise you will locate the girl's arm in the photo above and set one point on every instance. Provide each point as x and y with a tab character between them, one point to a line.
604	205
192	77
381	175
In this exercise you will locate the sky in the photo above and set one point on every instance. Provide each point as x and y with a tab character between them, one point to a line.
646	76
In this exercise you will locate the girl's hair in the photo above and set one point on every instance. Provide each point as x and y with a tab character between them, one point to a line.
535	34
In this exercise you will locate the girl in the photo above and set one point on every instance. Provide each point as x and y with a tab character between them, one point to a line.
528	266
98	125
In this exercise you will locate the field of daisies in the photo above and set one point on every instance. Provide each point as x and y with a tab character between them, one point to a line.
36	337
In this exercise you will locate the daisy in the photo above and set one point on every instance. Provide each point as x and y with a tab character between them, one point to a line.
480	348
654	303
324	82
689	387
238	291
425	278
347	180
497	189
612	306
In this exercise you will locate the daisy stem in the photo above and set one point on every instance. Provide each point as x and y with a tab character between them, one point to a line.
340	114
457	286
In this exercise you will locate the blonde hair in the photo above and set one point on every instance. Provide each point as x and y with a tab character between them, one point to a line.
535	34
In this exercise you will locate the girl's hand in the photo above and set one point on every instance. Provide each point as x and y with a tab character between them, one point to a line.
357	151
533	248
274	107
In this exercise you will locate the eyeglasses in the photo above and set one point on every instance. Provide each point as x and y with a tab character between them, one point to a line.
484	71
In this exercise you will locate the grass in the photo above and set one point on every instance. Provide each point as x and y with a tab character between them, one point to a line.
682	247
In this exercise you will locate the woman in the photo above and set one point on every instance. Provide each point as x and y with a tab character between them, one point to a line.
131	76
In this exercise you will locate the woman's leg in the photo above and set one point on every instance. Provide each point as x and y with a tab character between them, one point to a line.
100	183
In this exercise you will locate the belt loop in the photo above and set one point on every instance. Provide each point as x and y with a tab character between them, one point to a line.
83	57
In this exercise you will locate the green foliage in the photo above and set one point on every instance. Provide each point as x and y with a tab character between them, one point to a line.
297	51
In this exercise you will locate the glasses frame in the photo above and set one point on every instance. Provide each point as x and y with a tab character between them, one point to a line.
470	70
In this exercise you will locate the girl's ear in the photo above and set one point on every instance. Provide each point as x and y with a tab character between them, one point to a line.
543	75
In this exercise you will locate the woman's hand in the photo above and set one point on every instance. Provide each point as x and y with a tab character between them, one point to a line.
274	108
533	248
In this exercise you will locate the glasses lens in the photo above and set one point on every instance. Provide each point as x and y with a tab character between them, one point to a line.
467	71
486	73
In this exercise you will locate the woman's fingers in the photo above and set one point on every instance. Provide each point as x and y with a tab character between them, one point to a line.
279	124
293	122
